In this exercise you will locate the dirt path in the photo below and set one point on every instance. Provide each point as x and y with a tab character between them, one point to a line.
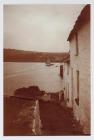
57	120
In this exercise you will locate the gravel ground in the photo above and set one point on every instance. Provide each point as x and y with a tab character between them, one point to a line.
57	120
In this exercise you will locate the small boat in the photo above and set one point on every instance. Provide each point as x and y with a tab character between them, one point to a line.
48	63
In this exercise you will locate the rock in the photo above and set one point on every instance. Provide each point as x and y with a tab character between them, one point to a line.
30	92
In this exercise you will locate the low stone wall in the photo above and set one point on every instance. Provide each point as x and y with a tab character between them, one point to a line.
21	117
36	121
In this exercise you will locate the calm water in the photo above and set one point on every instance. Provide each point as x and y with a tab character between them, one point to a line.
17	75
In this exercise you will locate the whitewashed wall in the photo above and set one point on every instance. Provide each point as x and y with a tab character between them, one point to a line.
67	84
82	63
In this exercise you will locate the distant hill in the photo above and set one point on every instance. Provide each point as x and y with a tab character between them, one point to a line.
13	55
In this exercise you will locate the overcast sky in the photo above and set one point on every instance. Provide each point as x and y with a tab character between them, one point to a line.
39	27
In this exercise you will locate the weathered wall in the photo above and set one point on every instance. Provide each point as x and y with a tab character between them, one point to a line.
82	63
67	84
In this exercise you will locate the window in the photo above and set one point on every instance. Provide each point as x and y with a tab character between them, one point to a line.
76	47
68	93
77	98
61	71
72	91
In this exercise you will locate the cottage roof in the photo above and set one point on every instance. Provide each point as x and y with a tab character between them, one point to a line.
81	20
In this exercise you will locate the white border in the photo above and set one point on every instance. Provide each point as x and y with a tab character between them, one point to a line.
1	69
2	2
46	1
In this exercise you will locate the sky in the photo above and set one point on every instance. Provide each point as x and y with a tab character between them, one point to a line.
43	28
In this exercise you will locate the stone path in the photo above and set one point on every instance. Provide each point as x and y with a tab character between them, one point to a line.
57	120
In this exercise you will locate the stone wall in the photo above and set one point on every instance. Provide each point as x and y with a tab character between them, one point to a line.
36	121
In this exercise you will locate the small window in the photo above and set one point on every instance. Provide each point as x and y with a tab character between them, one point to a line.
76	47
77	98
68	93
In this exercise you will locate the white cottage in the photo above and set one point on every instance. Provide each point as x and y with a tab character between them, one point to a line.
67	81
79	39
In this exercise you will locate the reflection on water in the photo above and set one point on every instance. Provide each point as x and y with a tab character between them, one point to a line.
17	75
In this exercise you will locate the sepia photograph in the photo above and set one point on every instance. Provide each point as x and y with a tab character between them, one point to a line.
46	70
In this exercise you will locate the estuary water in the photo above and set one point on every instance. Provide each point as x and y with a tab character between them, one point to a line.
20	74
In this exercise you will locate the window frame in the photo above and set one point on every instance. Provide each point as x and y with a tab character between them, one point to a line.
77	87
